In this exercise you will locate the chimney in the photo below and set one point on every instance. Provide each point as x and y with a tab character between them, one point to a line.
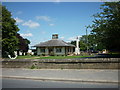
55	36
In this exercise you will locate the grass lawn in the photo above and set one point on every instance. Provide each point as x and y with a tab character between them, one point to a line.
50	57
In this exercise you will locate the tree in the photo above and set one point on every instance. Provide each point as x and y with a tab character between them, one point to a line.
0	29
88	41
23	44
92	44
82	44
106	28
9	32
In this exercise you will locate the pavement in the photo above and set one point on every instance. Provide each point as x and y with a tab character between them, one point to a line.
74	75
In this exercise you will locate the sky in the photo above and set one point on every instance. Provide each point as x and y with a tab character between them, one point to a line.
37	21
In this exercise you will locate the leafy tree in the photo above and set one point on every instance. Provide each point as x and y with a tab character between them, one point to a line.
106	28
9	32
23	44
0	29
92	45
82	44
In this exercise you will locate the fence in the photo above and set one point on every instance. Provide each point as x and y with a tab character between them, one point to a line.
78	63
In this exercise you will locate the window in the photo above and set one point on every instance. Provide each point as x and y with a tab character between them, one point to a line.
58	50
69	49
42	50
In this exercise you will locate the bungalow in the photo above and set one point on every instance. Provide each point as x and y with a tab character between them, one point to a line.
54	47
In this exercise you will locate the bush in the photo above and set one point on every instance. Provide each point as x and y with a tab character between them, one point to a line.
43	54
33	67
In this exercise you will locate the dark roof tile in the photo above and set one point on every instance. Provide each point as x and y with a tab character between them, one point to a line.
54	42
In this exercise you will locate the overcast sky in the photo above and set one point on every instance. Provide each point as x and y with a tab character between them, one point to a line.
37	21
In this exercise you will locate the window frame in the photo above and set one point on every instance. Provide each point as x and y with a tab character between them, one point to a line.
42	50
58	49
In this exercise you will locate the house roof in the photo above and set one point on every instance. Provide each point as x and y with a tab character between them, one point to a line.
54	42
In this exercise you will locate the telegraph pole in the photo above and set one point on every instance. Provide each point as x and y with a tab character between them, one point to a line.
86	37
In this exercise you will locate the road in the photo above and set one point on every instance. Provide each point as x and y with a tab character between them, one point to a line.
104	75
26	83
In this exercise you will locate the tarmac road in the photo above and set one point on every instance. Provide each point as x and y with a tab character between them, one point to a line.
56	78
87	75
26	83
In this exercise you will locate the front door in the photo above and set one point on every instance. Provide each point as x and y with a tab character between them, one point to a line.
51	51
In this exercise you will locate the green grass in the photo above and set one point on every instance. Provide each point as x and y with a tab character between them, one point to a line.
61	57
25	57
50	57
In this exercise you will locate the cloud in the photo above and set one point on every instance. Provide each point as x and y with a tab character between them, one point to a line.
51	24
31	24
57	1
26	35
72	38
43	32
19	12
18	20
62	37
45	18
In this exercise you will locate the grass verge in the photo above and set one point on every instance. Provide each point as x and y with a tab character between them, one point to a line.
50	57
